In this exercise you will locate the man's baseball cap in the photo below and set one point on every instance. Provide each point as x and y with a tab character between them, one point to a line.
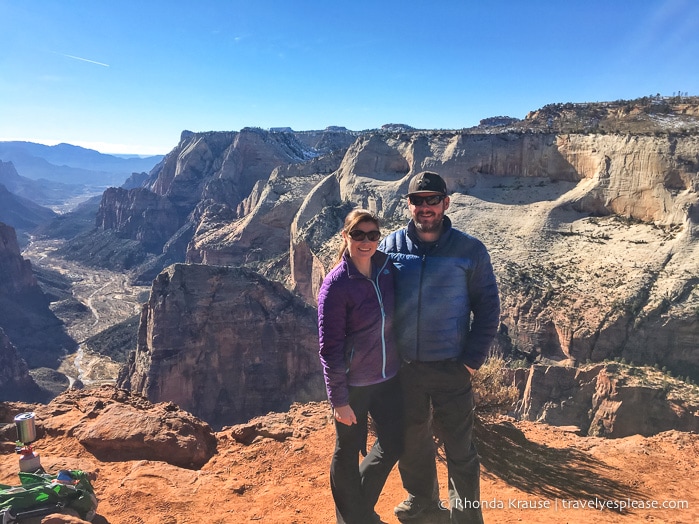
427	182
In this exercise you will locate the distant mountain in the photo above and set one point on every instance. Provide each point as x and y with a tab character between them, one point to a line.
22	214
55	195
17	210
71	164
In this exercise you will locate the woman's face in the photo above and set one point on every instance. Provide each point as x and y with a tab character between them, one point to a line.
365	248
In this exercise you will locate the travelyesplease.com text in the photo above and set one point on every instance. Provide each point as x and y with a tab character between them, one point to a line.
617	505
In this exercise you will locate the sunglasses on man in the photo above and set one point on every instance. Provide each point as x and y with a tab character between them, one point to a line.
431	200
359	235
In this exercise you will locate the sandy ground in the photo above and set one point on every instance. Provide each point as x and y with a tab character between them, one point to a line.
530	473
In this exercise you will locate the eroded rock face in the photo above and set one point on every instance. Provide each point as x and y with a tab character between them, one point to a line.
225	344
195	204
139	214
602	403
25	316
15	272
263	231
15	381
593	237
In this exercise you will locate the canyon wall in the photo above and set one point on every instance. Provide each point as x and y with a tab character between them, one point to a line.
224	344
604	400
29	324
15	381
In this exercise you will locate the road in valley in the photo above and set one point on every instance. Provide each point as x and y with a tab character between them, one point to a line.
110	299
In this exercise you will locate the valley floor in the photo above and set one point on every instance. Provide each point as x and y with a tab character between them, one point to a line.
108	297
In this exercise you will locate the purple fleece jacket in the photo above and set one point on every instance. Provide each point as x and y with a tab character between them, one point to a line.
355	327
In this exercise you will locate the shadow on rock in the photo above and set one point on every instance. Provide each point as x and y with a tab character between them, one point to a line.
544	471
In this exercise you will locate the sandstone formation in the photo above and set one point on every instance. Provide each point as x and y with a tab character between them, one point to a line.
225	344
605	400
25	316
593	237
262	232
207	180
114	425
140	215
16	272
15	381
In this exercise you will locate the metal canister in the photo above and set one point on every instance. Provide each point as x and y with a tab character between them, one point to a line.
26	427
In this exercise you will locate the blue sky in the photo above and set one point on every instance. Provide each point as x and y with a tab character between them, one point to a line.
128	77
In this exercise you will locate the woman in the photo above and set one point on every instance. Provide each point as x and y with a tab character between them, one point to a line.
360	364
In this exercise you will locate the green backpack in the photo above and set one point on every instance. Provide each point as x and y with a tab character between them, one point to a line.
42	494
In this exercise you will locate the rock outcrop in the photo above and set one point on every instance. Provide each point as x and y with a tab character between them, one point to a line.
225	344
274	469
605	400
115	426
15	381
262	234
593	237
139	214
25	316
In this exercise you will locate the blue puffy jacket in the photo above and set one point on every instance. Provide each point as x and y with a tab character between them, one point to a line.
355	327
447	303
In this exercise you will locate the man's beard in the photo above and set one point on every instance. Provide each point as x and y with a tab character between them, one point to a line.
433	224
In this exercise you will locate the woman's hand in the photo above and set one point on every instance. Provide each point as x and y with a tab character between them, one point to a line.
344	415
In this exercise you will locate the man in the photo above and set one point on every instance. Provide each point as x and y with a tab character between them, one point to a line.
447	314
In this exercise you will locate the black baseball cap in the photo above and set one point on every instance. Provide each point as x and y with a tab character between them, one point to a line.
427	182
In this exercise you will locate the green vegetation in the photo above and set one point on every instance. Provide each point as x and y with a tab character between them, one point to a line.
116	341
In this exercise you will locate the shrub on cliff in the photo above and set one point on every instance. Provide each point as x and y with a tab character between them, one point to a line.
492	388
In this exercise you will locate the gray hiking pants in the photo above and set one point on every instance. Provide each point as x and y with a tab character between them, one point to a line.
441	392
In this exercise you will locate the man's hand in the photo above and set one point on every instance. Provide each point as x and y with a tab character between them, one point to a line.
345	415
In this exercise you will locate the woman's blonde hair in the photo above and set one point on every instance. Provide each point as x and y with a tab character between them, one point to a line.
354	217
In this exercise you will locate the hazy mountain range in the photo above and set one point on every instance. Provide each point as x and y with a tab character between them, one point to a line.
71	164
59	177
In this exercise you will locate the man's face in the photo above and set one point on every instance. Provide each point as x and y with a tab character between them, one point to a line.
428	218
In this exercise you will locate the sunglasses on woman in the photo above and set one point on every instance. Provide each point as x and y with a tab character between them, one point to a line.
431	200
360	235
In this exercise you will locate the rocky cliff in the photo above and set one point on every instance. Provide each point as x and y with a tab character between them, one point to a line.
209	179
607	400
15	381
225	344
25	316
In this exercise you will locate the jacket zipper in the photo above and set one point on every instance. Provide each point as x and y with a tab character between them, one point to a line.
419	306
383	317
